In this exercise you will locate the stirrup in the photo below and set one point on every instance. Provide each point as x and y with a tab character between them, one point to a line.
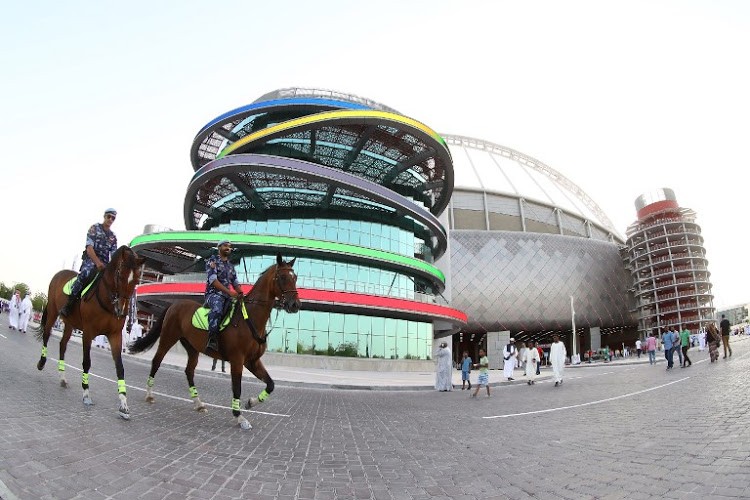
213	342
67	308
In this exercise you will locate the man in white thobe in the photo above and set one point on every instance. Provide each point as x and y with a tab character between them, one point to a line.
15	310
443	376
531	358
557	355
702	339
25	313
510	354
125	336
136	331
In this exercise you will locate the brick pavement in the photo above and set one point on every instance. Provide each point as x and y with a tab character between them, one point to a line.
685	440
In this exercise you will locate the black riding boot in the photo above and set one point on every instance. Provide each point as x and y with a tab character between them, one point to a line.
68	307
213	340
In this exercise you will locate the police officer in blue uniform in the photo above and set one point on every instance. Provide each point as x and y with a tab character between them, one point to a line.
101	243
220	275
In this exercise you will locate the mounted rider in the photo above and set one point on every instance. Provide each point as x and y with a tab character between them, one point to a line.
220	274
101	243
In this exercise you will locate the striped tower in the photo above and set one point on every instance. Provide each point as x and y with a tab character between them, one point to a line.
669	266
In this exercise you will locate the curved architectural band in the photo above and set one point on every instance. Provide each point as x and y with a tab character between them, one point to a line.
204	183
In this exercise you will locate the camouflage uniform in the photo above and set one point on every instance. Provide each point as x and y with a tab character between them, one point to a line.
104	244
217	269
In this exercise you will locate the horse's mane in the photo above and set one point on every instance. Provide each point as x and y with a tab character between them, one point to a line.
262	275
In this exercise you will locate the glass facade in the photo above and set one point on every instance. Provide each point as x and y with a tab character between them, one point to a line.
359	233
325	333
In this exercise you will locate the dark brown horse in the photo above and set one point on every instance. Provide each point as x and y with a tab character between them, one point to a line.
242	342
101	311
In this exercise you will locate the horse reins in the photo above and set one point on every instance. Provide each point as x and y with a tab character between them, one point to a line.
114	296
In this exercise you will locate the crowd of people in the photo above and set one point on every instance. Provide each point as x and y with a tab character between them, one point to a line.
530	358
672	342
19	311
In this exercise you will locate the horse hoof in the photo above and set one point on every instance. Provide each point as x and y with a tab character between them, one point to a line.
124	414
150	399
249	404
245	425
88	401
40	364
201	409
64	384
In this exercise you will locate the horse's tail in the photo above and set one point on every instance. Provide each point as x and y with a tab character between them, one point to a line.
145	343
39	330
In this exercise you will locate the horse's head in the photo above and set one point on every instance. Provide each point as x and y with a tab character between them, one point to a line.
285	285
125	268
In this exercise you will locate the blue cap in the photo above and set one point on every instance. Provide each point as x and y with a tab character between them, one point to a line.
110	211
223	242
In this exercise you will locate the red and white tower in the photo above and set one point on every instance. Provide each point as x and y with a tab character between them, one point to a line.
669	266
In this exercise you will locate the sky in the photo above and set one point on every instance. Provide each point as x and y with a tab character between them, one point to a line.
100	102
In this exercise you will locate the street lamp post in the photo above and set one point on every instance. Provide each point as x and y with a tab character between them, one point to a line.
574	347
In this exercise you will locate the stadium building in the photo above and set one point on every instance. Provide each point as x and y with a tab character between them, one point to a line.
402	236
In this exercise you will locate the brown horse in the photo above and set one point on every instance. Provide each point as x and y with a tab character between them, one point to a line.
101	311
242	342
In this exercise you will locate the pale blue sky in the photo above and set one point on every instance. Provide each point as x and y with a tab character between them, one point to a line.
101	101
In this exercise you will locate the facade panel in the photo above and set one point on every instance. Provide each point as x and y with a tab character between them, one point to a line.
523	281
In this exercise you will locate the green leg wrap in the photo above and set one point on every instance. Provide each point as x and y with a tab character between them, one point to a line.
121	387
44	351
150	382
85	378
60	365
235	405
262	396
193	392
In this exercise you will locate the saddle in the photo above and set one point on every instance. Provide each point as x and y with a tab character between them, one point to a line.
200	317
68	287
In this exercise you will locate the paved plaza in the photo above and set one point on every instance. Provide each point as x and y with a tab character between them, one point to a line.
620	430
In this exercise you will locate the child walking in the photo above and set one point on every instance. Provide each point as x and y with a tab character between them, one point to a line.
465	370
484	376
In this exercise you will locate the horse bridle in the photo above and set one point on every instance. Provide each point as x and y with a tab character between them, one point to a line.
277	304
114	296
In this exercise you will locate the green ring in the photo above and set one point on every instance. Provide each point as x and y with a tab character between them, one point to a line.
290	242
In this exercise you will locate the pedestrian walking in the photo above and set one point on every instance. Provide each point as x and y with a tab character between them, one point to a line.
443	381
713	337
725	327
509	357
685	344
213	366
651	348
484	376
25	312
677	344
541	356
15	310
466	363
136	331
669	341
531	363
557	355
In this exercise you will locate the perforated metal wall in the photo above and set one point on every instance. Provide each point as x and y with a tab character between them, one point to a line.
507	280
